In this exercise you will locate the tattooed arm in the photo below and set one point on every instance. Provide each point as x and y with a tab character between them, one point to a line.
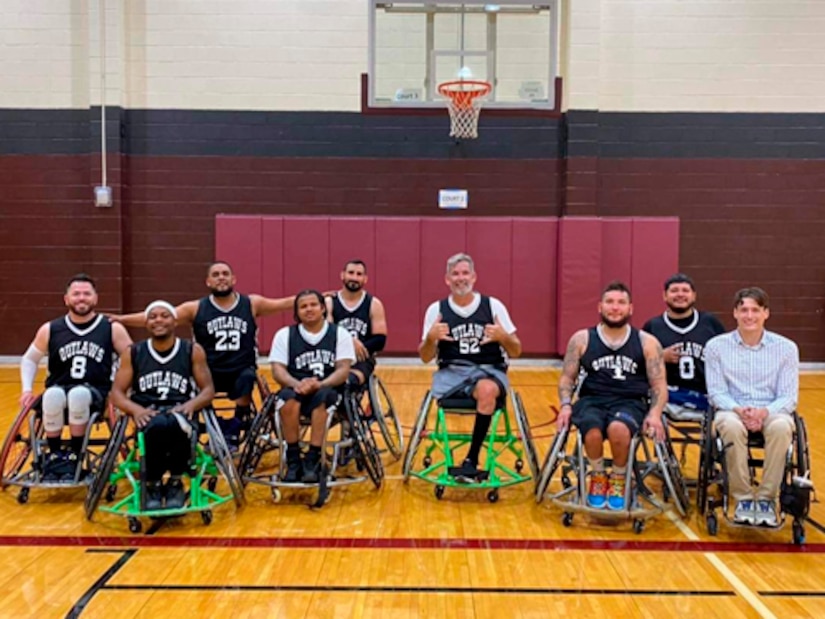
655	364
569	374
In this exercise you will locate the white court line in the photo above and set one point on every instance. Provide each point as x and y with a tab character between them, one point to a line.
742	589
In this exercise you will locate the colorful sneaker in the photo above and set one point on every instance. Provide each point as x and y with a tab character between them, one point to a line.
597	494
744	513
615	492
765	514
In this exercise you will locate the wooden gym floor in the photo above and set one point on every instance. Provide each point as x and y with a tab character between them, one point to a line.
399	552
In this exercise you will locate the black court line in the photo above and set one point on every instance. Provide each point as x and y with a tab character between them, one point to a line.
390	589
792	594
100	583
815	525
155	526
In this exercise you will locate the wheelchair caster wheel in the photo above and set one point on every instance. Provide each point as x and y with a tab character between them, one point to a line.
798	533
519	465
23	497
492	496
712	524
427	461
638	526
276	495
135	526
212	484
439	492
206	516
567	519
111	491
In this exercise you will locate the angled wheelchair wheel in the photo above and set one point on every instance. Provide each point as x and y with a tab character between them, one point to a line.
551	463
672	477
17	446
260	431
366	451
107	462
223	457
386	417
706	466
415	436
526	434
802	465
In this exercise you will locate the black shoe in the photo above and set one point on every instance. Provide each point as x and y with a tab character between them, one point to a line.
175	494
52	465
154	496
468	472
69	468
312	470
294	471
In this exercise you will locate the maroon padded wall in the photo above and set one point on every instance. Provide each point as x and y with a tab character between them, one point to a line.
547	271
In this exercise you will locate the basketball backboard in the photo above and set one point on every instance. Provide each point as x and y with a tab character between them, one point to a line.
415	45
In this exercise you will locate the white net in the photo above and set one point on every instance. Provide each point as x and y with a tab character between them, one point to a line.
464	100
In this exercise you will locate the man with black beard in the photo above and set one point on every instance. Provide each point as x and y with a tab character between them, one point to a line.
621	388
81	347
224	324
683	332
363	316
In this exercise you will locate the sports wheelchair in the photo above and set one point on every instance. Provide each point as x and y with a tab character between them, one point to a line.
23	455
355	444
443	442
569	490
795	489
210	458
380	411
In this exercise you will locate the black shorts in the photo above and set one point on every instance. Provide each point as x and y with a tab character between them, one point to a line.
235	384
365	367
591	412
326	396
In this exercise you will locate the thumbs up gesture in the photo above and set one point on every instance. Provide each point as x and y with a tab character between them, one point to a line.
439	332
494	332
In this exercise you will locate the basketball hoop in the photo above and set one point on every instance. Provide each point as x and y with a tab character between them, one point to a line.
464	98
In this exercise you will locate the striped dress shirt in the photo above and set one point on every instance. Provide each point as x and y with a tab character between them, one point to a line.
761	376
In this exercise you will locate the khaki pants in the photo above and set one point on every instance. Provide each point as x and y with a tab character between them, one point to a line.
778	431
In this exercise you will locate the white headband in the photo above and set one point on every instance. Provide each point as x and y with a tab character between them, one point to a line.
165	305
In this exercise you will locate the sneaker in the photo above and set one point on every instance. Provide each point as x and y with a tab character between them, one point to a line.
231	430
175	494
69	468
597	493
744	513
765	514
52	463
615	492
294	471
312	470
468	472
154	496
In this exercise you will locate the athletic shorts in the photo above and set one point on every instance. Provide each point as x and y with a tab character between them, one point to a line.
327	396
458	381
598	412
235	384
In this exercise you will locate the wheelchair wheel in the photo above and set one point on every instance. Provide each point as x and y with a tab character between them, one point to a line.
526	434
551	463
672	476
17	446
803	461
223	457
386	417
366	451
107	463
258	444
706	465
415	436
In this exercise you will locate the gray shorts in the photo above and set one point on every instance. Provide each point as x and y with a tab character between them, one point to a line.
447	380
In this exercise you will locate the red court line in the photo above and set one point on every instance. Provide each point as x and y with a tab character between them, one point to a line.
405	543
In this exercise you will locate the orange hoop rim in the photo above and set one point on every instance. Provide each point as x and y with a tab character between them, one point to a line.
449	89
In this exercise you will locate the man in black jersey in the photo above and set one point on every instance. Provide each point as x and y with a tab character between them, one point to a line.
224	323
472	337
363	316
310	360
162	383
81	347
620	373
683	332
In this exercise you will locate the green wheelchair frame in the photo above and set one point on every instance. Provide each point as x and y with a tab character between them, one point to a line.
209	461
441	440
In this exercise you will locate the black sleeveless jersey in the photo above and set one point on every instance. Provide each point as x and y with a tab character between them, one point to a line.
307	360
356	321
608	372
467	334
162	380
691	338
81	353
229	337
